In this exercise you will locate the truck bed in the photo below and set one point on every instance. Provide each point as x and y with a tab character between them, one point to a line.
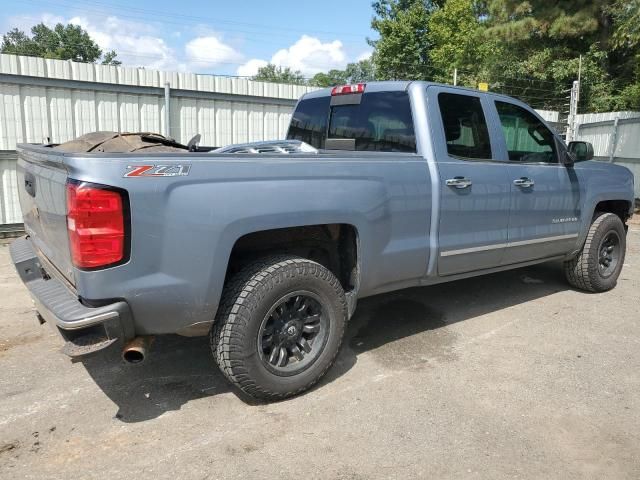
187	210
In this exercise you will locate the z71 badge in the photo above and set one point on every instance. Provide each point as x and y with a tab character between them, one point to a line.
157	170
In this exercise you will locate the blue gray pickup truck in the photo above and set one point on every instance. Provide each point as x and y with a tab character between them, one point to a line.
267	247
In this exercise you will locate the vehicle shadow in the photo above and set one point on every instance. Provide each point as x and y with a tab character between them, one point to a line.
181	369
176	371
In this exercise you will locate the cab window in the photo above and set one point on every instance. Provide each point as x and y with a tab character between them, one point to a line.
528	139
381	122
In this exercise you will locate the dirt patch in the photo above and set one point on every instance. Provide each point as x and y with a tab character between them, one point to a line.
9	447
8	344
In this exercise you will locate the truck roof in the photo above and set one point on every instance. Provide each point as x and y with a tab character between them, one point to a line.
400	85
386	86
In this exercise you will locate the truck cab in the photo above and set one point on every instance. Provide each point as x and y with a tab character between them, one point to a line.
506	188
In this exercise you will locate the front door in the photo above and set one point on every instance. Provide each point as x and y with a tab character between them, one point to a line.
545	194
474	190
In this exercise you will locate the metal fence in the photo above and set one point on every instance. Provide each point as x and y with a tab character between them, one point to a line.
9	208
615	137
53	100
45	100
60	100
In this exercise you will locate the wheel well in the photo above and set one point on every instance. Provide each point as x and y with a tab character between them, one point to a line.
619	207
332	245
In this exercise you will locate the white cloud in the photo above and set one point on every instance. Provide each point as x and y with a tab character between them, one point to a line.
251	68
364	56
308	54
143	44
136	43
25	22
210	51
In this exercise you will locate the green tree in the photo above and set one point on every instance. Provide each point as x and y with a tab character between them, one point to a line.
568	21
63	42
329	79
275	74
527	48
17	42
109	58
402	49
362	71
626	41
544	40
357	72
626	17
455	35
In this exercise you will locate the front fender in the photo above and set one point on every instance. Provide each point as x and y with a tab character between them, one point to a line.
602	182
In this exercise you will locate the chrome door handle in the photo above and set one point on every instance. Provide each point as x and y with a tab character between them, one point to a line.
458	182
524	182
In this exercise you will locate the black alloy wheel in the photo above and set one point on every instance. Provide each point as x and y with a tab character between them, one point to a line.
293	333
279	326
597	266
609	253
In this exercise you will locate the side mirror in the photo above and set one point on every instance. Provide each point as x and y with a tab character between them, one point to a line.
581	150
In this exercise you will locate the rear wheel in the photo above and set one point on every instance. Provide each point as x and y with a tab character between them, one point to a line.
597	267
279	326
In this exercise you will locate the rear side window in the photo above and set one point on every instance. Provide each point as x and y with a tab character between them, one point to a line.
528	139
309	121
465	127
381	122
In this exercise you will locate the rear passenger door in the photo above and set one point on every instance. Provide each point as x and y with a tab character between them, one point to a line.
545	194
474	189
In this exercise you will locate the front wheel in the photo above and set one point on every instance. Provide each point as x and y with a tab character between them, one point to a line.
597	267
279	326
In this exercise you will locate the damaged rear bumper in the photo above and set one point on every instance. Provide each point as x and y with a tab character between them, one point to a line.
85	329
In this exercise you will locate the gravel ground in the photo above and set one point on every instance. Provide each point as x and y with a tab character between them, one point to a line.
512	375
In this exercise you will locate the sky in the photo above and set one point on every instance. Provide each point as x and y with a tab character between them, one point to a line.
215	37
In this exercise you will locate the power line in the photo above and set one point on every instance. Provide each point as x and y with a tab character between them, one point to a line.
500	87
168	18
524	87
191	60
206	61
530	79
217	20
506	89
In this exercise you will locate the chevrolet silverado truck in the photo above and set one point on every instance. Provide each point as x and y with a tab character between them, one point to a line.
266	247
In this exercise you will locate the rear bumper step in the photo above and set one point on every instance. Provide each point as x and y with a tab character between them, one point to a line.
85	329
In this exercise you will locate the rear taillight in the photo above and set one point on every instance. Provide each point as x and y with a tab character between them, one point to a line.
348	89
96	224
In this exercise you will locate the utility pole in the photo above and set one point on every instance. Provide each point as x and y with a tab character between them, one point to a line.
167	108
573	111
455	77
579	82
573	104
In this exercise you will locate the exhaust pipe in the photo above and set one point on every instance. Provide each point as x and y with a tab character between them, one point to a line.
135	351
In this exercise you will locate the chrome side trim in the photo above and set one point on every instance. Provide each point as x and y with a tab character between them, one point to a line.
495	246
542	240
483	248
